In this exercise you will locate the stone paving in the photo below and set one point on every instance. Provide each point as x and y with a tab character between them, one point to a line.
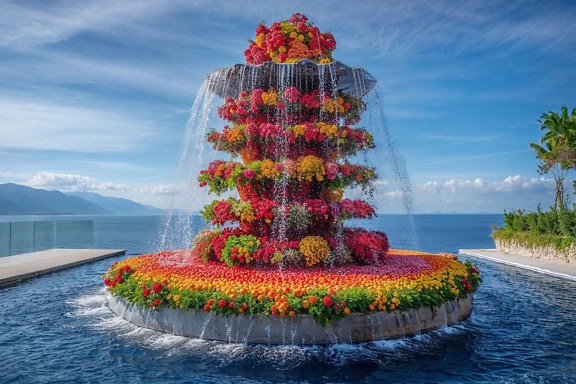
553	267
17	268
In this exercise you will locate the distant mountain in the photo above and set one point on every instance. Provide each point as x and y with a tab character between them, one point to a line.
18	199
117	205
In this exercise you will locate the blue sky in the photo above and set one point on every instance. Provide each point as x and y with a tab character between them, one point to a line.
96	95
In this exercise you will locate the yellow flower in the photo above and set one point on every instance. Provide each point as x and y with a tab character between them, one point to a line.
260	39
340	104
311	167
245	254
315	249
268	169
299	130
330	130
235	134
270	97
244	211
328	105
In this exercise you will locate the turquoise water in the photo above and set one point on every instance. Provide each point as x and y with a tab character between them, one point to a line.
57	328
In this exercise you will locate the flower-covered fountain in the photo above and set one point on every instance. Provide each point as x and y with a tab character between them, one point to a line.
279	265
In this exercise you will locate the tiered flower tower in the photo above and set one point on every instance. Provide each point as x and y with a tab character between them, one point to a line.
280	252
294	144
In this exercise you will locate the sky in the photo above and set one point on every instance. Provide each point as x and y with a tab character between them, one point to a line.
96	95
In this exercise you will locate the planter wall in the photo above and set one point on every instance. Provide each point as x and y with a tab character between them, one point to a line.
299	330
567	255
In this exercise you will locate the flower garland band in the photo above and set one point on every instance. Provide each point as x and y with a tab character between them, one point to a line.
177	279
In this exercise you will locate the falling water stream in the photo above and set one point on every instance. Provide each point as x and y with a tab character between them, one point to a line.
328	79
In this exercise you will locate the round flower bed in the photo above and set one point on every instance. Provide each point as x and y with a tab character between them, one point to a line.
404	280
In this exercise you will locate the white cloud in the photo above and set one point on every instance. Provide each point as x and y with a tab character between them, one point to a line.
159	190
23	26
515	183
470	195
68	182
159	195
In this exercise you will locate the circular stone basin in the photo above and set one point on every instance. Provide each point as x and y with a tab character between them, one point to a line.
156	282
299	330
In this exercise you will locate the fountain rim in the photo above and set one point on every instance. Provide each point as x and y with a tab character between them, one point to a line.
299	331
231	81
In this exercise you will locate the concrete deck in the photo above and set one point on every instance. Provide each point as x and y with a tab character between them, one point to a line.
551	267
17	268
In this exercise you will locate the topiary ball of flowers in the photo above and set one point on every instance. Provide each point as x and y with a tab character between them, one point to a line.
290	41
290	152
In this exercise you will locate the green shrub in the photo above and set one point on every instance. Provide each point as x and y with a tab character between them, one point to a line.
556	228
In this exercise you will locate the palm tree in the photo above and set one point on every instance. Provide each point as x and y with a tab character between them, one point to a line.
557	148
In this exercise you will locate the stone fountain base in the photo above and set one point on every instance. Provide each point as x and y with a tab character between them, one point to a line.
300	330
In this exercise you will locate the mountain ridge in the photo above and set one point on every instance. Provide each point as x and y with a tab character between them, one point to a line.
17	199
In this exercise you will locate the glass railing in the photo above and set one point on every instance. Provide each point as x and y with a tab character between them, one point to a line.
31	236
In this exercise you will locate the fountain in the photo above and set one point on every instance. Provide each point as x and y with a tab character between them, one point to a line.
279	265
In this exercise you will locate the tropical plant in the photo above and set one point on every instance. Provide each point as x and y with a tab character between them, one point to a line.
557	149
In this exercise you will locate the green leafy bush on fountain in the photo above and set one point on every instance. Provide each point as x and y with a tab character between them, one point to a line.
291	152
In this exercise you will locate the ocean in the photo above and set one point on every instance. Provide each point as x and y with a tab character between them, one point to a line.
428	233
57	328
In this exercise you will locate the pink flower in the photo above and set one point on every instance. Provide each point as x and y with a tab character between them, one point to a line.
251	130
256	98
248	174
292	94
332	170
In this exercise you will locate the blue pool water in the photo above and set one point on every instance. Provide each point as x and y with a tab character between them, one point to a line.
57	328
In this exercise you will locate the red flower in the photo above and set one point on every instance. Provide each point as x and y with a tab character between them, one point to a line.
157	302
222	303
157	287
146	292
327	300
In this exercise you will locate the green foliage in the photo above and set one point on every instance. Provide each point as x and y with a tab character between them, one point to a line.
555	228
239	249
560	222
357	298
